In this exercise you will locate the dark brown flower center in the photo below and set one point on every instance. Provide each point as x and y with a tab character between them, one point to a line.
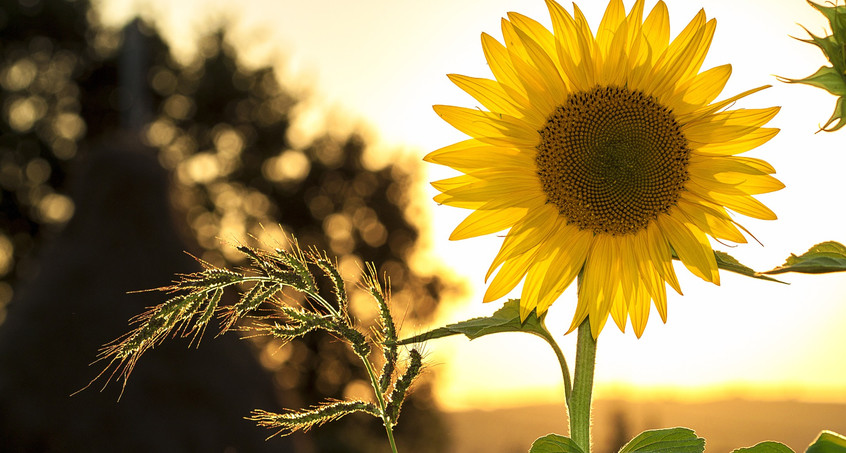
612	159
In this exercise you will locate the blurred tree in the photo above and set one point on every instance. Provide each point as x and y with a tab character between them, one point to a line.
221	130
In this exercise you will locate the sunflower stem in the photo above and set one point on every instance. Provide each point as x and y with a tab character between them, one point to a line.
579	403
562	362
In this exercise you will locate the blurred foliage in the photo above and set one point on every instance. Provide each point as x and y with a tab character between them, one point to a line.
222	129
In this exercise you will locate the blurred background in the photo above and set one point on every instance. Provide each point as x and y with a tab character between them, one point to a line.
134	130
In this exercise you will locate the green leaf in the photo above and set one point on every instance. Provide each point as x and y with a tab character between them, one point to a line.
822	258
506	319
669	440
730	263
766	447
828	442
553	443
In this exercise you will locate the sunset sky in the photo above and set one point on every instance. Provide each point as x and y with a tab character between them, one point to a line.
379	66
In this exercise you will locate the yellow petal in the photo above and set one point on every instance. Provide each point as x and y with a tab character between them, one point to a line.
535	30
700	90
553	89
656	27
691	246
532	230
473	154
742	204
481	222
614	15
592	58
456	181
531	293
509	275
568	48
492	128
600	282
738	145
620	311
659	253
500	63
710	221
517	192
727	126
492	95
679	60
639	311
705	112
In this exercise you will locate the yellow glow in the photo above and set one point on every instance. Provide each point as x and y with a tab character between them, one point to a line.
7	250
19	75
69	126
291	165
55	208
746	337
24	112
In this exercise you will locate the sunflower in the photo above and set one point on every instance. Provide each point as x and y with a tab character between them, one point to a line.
604	156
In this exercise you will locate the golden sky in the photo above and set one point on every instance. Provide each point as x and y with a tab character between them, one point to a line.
383	63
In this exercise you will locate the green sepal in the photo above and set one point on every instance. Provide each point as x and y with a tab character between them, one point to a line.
830	78
675	440
828	442
839	114
766	447
836	16
826	78
506	319
822	258
553	443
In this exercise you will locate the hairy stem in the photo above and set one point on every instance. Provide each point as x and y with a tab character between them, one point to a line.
386	418
562	362
580	400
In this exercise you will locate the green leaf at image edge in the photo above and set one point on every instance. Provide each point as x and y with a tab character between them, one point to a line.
506	319
822	258
828	442
669	440
553	443
766	447
830	78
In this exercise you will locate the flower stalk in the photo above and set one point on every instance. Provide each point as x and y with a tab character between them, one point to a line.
579	403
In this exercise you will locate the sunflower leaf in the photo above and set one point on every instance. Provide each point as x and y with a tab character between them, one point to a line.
822	258
677	440
553	443
731	264
766	447
828	442
506	319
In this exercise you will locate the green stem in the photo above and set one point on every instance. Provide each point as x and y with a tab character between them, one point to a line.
580	400
562	362
386	419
